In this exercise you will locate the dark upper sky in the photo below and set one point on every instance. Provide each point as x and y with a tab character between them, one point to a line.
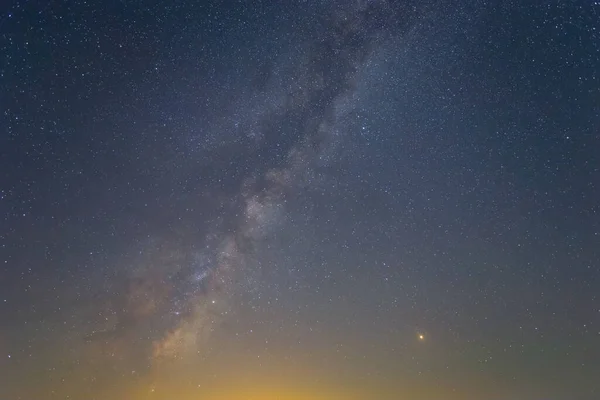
300	199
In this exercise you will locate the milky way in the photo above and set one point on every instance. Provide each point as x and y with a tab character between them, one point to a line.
292	143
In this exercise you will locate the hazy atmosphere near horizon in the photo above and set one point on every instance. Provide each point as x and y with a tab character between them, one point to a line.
299	200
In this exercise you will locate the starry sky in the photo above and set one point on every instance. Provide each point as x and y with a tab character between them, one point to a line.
324	199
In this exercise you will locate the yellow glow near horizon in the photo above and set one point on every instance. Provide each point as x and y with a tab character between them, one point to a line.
245	393
277	392
250	387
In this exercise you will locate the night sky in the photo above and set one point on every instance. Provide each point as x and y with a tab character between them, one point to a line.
324	200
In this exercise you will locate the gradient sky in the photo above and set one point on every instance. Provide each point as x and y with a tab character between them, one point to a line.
328	199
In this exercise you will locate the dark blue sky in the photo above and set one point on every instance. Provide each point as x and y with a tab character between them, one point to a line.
360	198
